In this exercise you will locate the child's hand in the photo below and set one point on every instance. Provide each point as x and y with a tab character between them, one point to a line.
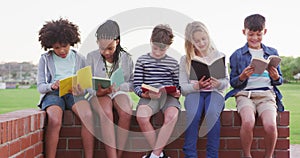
273	73
103	91
202	83
55	85
176	94
215	83
77	90
154	95
247	72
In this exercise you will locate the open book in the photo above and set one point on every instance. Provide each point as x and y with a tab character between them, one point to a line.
117	78
168	89
83	77
260	64
199	69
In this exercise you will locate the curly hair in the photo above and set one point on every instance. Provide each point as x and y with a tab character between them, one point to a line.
60	31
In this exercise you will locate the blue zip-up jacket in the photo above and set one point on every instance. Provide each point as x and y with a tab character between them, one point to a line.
239	60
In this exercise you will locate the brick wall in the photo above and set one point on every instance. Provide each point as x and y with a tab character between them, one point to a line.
70	144
22	132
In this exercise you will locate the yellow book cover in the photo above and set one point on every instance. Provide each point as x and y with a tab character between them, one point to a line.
83	77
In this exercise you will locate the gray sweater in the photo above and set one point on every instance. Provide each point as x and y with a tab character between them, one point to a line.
46	71
187	86
95	59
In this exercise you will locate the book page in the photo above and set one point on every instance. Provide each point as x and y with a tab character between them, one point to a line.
117	77
259	65
84	77
146	88
65	86
217	68
274	60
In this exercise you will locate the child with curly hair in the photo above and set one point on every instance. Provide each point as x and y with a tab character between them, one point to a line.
59	62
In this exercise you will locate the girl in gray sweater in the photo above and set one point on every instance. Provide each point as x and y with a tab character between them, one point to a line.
104	62
203	96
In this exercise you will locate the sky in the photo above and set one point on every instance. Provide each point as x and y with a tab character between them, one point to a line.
22	20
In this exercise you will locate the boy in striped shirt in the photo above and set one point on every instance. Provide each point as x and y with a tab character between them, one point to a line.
157	69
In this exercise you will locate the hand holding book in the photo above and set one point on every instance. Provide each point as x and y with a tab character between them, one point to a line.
260	64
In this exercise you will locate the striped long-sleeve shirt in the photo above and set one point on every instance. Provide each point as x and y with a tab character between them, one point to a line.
155	72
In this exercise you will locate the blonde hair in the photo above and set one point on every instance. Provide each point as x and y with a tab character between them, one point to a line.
190	29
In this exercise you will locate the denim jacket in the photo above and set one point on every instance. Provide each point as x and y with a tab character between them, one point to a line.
239	60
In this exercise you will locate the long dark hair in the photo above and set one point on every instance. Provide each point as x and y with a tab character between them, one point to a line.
110	30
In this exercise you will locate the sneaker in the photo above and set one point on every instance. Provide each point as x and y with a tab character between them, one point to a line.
147	155
164	156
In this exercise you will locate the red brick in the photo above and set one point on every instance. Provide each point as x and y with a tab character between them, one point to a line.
139	143
177	144
230	154
62	143
237	119
70	153
4	150
25	142
284	118
230	131
20	155
38	148
70	132
258	153
29	152
75	143
282	153
8	131
27	122
226	118
283	132
34	138
258	131
282	144
13	129
233	143
14	147
20	127
3	132
68	118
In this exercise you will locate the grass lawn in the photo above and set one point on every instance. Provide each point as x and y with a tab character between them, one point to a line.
16	99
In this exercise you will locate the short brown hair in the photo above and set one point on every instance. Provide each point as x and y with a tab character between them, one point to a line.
255	22
162	34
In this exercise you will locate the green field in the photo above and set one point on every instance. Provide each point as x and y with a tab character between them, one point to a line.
16	99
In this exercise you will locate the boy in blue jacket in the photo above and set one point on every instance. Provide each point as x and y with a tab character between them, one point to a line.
255	93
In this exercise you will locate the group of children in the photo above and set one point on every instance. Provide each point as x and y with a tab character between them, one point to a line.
254	93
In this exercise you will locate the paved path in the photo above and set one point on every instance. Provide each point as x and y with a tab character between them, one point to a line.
295	151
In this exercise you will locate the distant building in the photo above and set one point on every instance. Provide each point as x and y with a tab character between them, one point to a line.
2	85
297	76
11	85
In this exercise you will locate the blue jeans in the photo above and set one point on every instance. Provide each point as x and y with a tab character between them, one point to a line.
195	103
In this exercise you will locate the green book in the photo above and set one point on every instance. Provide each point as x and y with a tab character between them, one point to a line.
116	78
